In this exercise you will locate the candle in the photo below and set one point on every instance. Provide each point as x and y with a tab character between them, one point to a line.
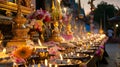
61	58
46	62
14	65
25	65
71	53
39	65
33	61
39	42
4	51
65	9
68	61
33	65
56	65
50	65
59	1
78	54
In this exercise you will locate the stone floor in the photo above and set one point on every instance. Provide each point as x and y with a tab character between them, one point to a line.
113	51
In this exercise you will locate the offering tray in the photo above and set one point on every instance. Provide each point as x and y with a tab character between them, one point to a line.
6	62
77	56
66	63
93	48
88	51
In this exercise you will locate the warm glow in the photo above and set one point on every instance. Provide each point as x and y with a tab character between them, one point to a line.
56	65
71	53
33	66
50	65
61	58
46	62
59	1
63	39
4	50
117	25
68	60
39	65
78	38
78	54
65	9
39	42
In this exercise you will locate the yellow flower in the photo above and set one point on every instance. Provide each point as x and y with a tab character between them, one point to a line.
23	52
40	22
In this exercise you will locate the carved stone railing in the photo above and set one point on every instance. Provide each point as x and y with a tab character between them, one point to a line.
12	7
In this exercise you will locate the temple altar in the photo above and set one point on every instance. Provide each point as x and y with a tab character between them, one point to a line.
46	37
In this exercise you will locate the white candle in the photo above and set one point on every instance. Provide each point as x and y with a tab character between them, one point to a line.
61	58
14	64
71	53
56	65
59	1
50	65
46	62
4	50
39	42
68	61
78	54
65	9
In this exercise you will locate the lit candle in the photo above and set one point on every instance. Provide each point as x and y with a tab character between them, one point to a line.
39	65
50	65
56	65
33	61
14	65
4	51
46	62
65	9
61	58
68	61
78	54
71	53
39	42
59	1
25	65
33	65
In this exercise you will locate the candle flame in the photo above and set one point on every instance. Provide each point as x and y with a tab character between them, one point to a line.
61	58
50	65
59	1
71	53
68	60
39	42
4	50
46	62
65	9
63	39
56	65
78	54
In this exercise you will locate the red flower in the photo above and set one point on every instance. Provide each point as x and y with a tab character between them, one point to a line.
47	19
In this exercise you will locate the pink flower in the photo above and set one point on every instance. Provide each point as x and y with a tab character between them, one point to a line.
19	60
41	15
